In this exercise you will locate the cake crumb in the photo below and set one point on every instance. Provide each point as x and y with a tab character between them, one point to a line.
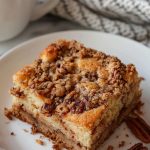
40	142
25	130
12	133
121	144
34	130
8	113
110	147
127	135
117	136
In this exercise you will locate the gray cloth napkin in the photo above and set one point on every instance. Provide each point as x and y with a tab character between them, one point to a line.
129	18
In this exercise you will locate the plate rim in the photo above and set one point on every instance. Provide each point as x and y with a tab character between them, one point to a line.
8	52
18	47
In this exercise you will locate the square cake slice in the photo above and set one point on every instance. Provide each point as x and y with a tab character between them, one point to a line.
75	95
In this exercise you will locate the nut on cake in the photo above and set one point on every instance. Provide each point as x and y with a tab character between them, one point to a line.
74	94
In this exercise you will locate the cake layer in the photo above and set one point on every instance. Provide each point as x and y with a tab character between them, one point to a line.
40	125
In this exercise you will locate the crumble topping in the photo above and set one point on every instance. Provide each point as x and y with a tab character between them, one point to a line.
8	114
76	79
17	92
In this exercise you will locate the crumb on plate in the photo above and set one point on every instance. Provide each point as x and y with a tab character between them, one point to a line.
40	142
25	130
110	147
12	133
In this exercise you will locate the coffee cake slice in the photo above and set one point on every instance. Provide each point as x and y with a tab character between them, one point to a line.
75	95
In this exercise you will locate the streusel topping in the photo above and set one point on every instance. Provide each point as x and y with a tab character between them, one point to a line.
76	79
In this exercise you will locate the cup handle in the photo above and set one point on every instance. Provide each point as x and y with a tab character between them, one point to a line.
41	9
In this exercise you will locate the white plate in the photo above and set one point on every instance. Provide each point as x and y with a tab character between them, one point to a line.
127	50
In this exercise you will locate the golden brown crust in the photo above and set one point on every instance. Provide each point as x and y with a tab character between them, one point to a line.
49	54
22	76
89	64
86	119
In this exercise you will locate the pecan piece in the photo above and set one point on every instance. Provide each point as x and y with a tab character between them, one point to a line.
138	146
139	128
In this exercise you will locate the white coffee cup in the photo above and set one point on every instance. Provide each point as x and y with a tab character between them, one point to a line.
16	14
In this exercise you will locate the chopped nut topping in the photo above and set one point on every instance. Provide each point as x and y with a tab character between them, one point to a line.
17	92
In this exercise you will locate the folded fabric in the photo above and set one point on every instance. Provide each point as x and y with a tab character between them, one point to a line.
129	18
